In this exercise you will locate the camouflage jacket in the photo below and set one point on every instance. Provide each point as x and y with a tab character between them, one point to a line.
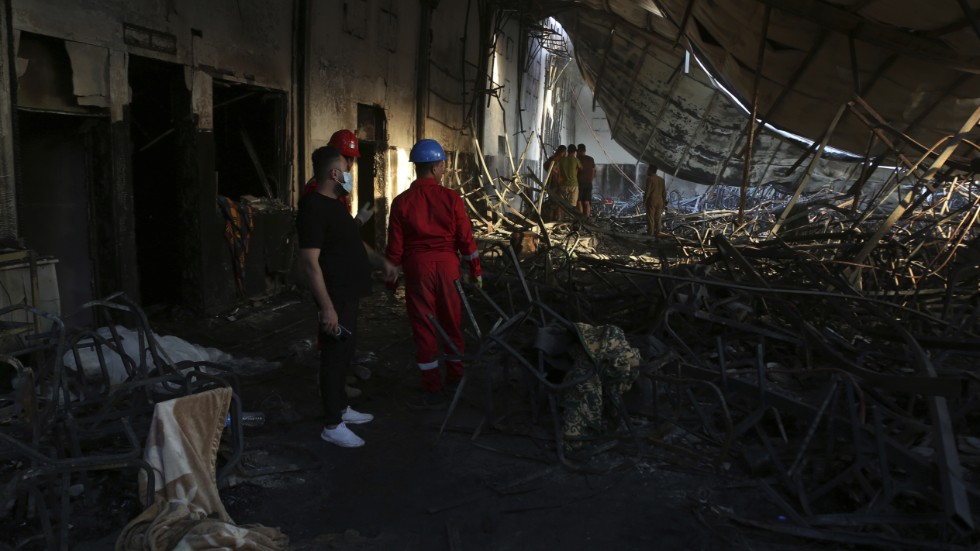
615	368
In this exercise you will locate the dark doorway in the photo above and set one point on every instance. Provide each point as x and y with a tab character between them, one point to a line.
372	135
249	141
60	164
160	100
366	174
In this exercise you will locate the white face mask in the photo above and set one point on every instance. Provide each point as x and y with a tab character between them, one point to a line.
345	185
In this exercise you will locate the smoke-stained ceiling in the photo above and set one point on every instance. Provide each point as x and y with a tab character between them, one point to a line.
899	76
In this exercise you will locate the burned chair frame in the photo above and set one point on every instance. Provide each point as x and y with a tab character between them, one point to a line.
62	422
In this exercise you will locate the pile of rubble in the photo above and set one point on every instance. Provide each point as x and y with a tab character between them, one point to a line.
74	423
826	350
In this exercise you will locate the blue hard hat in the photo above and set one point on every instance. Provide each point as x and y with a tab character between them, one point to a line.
427	151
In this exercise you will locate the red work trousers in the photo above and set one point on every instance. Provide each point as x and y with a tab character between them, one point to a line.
429	289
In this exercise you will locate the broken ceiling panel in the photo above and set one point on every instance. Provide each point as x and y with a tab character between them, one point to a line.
677	120
917	74
880	50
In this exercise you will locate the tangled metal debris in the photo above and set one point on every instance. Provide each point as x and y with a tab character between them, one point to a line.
62	425
833	363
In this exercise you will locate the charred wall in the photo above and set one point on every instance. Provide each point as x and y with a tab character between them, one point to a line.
414	62
154	227
200	100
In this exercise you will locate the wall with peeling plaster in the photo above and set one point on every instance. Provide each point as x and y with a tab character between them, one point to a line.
356	52
98	39
365	52
502	124
540	111
187	32
100	35
8	185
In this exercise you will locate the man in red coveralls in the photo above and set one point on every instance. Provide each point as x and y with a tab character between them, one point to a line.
427	226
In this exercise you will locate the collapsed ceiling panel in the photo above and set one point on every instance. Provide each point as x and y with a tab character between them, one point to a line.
913	82
665	109
909	78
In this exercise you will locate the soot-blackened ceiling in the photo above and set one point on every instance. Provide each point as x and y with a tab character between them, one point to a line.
902	73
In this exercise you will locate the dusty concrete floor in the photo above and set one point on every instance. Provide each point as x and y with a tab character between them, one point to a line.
407	489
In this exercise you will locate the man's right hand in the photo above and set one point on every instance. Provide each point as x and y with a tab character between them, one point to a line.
328	321
391	272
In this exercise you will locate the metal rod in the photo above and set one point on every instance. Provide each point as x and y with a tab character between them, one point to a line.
468	308
747	165
813	427
809	171
902	205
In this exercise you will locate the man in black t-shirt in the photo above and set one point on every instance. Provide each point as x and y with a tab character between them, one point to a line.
337	265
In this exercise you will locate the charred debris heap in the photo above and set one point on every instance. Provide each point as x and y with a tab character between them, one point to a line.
823	353
824	346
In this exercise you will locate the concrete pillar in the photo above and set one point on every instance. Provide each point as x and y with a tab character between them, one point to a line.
205	257
120	151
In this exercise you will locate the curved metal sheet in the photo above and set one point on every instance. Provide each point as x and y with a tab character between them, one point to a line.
918	71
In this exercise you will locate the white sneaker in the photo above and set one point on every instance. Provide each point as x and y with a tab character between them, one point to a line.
342	436
355	417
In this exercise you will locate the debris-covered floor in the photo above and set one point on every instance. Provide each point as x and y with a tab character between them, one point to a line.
408	489
691	391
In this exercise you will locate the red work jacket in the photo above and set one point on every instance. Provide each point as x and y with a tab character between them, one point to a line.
427	222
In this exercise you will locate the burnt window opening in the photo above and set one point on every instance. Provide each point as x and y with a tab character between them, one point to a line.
249	141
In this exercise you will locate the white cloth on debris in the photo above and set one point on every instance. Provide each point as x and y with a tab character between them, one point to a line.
171	348
187	513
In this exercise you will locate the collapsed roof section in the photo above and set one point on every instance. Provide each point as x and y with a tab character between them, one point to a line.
896	79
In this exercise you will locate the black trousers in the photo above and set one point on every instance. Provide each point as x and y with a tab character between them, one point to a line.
335	362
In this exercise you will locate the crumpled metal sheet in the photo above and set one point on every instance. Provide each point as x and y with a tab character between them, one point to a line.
634	59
